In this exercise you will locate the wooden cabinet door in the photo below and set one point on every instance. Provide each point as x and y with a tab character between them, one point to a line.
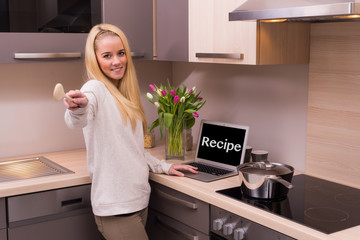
211	33
213	38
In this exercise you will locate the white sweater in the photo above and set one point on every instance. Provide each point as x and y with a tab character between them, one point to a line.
117	162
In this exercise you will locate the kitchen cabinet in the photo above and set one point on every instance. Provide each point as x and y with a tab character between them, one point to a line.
162	227
174	215
135	19
3	234
213	38
156	30
56	214
72	45
171	30
27	36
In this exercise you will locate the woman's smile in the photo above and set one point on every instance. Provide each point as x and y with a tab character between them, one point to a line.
111	57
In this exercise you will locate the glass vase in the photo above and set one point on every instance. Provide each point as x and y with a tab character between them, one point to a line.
175	140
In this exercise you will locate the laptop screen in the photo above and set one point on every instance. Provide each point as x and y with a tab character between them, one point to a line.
221	143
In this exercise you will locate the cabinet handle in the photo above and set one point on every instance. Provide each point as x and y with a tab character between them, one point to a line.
220	55
176	231
47	55
71	202
176	200
137	55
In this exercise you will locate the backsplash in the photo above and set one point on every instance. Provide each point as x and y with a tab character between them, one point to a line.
333	135
272	100
31	121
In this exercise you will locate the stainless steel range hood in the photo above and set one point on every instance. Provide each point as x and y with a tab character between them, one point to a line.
296	10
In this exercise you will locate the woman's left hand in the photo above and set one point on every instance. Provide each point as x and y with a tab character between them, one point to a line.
176	169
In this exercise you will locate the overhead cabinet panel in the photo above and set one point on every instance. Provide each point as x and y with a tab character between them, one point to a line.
46	29
213	38
171	30
135	19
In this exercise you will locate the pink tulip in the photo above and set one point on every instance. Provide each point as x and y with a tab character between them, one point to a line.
190	91
163	92
152	87
176	99
173	92
196	115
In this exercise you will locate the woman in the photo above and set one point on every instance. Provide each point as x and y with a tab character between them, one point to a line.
109	110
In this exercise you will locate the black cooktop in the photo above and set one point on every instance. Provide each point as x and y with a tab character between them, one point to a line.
322	205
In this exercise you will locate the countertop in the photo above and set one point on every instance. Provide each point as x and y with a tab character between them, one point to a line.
76	161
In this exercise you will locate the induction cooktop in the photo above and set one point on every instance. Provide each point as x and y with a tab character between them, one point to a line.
322	205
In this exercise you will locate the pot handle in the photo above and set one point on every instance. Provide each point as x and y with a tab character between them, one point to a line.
282	181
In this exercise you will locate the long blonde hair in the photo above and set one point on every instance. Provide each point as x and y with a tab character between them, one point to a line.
127	93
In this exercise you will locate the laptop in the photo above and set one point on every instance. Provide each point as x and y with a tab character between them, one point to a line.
220	148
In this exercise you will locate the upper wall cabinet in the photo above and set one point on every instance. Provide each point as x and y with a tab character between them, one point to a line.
213	38
45	29
33	30
135	19
171	30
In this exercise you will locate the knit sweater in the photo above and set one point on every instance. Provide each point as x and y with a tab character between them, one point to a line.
117	162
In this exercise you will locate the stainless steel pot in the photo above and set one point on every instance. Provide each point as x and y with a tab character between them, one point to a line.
265	180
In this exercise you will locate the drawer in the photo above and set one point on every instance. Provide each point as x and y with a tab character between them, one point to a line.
161	227
2	214
3	234
182	207
77	227
42	204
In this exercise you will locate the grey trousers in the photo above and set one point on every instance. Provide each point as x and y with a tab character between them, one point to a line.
123	227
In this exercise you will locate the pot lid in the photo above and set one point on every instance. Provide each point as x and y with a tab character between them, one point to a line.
266	168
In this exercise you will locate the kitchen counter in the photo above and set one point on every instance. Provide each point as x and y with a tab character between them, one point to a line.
76	161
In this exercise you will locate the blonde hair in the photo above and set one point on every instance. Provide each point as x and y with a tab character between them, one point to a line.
127	93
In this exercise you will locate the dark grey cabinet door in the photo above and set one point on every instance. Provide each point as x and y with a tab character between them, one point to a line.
162	227
3	234
135	19
2	213
55	214
12	43
172	41
43	30
70	228
177	205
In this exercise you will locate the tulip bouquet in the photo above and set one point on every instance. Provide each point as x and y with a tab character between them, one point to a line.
177	109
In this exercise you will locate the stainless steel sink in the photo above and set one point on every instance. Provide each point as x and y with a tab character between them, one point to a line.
29	168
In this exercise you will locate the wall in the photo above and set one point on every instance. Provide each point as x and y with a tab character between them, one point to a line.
32	122
272	100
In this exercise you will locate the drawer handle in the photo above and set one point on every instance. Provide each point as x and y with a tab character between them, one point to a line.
71	202
220	55
137	55
176	200
47	55
176	231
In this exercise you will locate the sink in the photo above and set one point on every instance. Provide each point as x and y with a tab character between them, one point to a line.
21	169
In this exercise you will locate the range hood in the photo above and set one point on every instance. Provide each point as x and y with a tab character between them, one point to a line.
297	10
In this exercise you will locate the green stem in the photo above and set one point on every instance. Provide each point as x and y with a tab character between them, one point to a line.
175	138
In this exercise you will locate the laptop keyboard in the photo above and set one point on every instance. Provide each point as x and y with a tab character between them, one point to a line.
209	169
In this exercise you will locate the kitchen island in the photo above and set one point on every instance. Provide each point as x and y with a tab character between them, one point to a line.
76	161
